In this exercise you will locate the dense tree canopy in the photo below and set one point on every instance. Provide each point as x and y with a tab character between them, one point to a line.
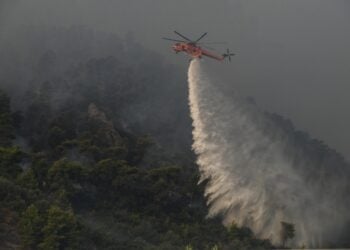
102	156
102	160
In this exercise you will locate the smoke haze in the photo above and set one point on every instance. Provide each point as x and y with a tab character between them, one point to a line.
293	58
293	55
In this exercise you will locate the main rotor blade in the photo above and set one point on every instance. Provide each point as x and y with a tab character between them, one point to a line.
182	36
201	37
174	40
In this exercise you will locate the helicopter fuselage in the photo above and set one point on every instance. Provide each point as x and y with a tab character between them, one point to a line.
194	51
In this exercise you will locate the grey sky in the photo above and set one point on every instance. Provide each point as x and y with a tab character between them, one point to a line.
293	56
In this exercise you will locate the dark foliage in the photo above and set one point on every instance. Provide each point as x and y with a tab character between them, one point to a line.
104	160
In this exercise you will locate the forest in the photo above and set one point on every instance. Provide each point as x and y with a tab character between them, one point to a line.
95	149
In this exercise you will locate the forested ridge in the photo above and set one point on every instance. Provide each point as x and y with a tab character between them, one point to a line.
95	149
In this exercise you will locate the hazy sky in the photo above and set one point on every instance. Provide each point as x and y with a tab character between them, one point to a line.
293	56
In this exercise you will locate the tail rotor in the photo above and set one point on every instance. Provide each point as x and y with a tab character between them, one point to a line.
228	54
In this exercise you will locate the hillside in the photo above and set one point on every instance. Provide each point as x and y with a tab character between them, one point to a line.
95	151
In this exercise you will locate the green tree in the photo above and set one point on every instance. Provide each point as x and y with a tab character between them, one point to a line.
36	119
237	233
6	128
9	159
66	174
287	232
11	195
189	247
104	173
31	224
40	169
28	182
61	231
56	136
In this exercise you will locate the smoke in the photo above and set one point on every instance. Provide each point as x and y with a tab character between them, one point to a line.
255	177
298	49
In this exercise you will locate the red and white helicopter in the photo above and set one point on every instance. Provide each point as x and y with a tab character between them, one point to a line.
194	49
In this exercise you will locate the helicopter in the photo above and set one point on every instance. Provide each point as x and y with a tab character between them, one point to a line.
194	48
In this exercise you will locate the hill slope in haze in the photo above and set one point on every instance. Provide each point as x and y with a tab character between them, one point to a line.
95	151
95	148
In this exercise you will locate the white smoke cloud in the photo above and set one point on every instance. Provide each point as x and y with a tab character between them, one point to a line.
253	178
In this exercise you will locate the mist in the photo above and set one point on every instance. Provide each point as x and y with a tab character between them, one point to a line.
292	56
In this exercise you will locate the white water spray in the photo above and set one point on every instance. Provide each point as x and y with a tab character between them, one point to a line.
252	179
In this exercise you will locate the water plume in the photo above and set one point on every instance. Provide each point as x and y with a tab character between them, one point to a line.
254	174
